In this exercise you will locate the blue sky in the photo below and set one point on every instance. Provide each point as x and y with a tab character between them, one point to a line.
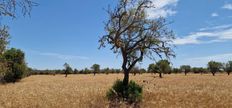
69	30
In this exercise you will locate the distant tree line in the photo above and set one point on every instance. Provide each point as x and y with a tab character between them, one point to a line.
161	67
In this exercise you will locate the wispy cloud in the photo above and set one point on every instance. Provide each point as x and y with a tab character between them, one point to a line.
214	15
217	27
213	34
163	8
64	57
58	55
227	6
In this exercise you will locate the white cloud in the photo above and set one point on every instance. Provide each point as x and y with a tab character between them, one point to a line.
214	34
64	57
214	14
163	8
217	27
227	6
57	55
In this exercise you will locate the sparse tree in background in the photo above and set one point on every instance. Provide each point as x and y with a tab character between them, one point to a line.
228	67
95	68
164	67
214	67
153	68
175	70
142	70
67	69
75	71
135	70
185	68
133	35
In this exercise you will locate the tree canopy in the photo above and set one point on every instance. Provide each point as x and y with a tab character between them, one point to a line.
133	35
214	67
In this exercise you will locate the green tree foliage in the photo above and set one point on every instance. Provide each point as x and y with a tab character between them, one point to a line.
164	67
153	68
199	70
228	67
75	71
68	69
95	68
133	35
16	66
185	68
175	70
214	67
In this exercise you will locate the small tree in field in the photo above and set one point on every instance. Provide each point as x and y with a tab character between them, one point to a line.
67	69
185	68
95	68
164	67
228	67
214	67
133	35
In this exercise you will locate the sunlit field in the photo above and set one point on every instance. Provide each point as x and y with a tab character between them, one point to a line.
88	91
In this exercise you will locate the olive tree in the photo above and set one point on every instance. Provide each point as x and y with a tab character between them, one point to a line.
185	68
228	67
153	68
67	70
214	67
134	36
163	67
95	68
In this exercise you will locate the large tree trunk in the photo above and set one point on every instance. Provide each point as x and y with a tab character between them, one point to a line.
160	75
228	73
126	78
185	73
213	73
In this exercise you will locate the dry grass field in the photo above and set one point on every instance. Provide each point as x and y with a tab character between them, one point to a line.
87	91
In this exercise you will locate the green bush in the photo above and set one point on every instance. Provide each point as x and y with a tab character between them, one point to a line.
131	93
16	66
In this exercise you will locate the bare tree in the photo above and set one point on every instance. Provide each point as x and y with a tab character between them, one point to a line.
133	35
4	39
12	7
